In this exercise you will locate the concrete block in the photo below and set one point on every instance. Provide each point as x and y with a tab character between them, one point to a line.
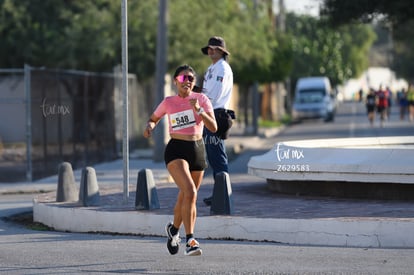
67	190
146	197
367	167
89	189
222	203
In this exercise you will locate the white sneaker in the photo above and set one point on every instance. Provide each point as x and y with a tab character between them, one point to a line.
192	248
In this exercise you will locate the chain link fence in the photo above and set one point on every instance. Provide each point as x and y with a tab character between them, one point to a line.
52	115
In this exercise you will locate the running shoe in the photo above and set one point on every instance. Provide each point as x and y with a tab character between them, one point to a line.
173	242
192	248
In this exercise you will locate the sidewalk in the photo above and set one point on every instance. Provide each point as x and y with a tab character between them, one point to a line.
258	213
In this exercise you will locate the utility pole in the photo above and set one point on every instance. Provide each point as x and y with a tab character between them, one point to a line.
125	142
255	95
281	26
161	69
28	94
281	19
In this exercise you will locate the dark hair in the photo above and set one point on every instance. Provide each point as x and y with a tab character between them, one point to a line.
184	68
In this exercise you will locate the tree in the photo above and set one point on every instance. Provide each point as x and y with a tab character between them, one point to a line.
92	39
396	14
403	50
339	53
244	26
142	37
85	35
357	41
29	34
256	51
69	34
343	12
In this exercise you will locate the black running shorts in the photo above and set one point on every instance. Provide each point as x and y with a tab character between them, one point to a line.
191	151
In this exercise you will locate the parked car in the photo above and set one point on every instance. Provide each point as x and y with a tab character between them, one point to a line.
314	98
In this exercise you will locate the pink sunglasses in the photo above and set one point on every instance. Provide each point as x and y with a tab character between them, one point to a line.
182	78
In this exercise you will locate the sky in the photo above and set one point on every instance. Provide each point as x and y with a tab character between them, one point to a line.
310	7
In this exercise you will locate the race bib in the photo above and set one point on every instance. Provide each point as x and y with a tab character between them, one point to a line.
182	120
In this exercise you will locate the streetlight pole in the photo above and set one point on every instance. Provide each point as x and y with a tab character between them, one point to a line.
125	142
161	68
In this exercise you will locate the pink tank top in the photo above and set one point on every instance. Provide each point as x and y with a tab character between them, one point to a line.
182	119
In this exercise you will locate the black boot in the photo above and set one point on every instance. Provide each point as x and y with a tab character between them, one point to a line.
208	200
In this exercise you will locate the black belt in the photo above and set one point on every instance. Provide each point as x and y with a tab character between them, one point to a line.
227	111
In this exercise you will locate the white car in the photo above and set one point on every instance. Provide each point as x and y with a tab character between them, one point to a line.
314	98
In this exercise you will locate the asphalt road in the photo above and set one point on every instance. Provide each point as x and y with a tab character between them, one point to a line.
351	121
35	252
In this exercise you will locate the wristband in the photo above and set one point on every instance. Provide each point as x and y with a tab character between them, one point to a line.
201	110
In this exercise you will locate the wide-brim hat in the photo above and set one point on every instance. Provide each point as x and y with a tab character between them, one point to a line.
215	42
